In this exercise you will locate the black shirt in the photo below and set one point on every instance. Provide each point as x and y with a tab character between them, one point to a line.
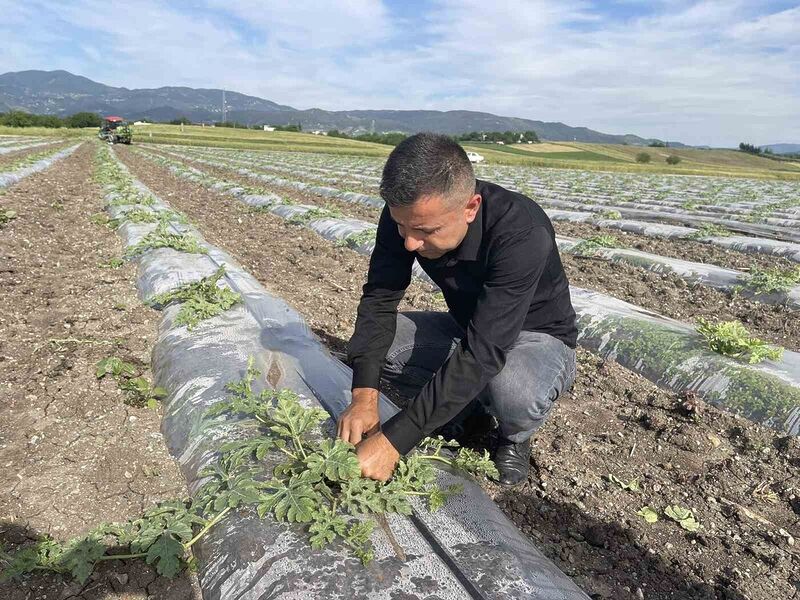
505	276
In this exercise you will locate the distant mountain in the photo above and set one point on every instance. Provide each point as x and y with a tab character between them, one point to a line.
782	148
62	93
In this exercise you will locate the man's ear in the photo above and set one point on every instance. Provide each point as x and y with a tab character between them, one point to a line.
471	209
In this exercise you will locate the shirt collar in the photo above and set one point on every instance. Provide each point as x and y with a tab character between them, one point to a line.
471	244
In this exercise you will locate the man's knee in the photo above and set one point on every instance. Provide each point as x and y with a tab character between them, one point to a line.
522	395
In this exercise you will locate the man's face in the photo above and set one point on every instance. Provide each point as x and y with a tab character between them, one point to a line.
434	225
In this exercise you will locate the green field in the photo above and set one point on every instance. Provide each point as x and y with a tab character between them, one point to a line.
575	155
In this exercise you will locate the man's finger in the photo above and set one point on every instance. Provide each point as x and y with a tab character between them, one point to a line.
355	433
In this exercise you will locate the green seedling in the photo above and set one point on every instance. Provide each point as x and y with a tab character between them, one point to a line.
710	230
731	338
648	514
318	487
138	391
631	486
769	281
7	216
611	214
590	246
355	240
100	219
313	214
200	300
112	263
683	516
161	238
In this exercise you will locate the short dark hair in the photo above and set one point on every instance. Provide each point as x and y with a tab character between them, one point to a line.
425	164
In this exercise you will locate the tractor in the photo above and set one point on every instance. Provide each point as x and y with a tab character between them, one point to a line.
116	130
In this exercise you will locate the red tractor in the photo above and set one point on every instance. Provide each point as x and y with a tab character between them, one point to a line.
115	130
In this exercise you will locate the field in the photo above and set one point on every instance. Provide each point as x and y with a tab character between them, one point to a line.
670	470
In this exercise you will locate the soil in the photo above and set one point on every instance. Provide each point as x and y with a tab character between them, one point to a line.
740	479
73	454
665	294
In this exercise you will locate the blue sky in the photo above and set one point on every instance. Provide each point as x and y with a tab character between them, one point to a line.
711	72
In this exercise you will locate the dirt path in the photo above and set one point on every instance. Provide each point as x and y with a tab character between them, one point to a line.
73	454
740	479
665	294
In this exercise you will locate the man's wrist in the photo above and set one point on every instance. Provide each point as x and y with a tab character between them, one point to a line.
364	395
402	432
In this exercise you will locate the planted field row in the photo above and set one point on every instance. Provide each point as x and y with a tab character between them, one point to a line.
194	359
78	448
613	422
769	286
665	351
7	149
694	194
33	164
708	234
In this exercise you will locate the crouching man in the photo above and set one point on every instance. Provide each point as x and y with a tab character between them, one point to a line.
507	343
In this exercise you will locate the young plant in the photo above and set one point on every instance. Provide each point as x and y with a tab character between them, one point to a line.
112	263
319	482
648	514
767	281
355	240
138	391
590	246
732	339
6	216
631	486
683	516
313	214
161	238
200	300
317	486
611	214
709	230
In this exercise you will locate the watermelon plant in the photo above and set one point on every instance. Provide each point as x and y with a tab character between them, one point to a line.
317	486
200	300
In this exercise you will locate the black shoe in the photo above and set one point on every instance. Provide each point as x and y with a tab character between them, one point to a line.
513	461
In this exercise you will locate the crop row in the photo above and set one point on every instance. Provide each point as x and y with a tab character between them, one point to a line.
665	351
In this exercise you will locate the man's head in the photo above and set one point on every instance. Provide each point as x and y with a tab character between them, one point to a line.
429	185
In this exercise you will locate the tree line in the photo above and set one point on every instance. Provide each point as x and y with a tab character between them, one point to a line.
19	118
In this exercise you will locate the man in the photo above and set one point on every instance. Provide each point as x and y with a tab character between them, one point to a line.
508	339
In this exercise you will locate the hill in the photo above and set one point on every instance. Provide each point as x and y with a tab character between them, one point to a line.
62	93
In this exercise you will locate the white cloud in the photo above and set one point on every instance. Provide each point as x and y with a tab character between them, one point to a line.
702	72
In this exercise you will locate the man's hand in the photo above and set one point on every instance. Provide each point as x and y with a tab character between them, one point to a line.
361	417
377	457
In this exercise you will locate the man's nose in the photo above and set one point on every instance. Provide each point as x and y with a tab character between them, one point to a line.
412	243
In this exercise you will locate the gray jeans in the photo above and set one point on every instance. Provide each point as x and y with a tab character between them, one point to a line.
538	369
